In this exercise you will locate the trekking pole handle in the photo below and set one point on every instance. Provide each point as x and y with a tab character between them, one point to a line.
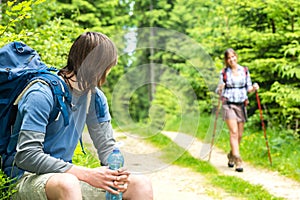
255	86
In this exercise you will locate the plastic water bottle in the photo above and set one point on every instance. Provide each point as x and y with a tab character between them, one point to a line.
115	161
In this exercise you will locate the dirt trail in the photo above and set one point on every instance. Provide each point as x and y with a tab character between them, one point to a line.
176	183
276	184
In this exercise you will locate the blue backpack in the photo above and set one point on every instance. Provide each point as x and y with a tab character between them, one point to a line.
20	65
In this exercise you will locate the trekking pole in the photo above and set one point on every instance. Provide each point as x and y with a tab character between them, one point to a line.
215	127
263	126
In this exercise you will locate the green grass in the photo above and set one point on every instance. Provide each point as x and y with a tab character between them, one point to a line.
241	188
283	145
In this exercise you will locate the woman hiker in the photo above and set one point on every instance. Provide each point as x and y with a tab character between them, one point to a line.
234	85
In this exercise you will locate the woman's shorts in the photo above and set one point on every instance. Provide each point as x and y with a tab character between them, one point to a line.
233	111
32	187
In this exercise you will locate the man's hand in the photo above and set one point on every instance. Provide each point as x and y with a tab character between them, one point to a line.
123	179
103	177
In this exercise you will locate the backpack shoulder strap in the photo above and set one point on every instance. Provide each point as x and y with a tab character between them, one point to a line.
61	95
246	71
26	88
224	70
246	74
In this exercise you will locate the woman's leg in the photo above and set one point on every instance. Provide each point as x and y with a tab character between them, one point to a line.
238	160
234	136
236	131
240	131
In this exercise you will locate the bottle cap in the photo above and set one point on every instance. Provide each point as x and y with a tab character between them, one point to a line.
119	144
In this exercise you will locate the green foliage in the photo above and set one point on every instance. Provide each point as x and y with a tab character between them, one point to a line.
51	44
86	160
13	15
51	39
264	33
97	15
6	187
288	98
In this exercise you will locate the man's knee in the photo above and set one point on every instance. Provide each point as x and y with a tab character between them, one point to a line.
142	181
140	187
62	185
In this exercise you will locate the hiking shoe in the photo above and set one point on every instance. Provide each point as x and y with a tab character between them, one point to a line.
230	160
240	169
238	163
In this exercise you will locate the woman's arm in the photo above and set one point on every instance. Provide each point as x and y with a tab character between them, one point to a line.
221	84
251	87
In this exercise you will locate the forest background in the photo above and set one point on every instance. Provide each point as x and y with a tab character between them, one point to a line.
265	34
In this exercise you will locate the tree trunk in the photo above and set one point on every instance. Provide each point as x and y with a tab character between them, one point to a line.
273	26
151	74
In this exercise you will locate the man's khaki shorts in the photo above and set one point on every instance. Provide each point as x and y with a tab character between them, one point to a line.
32	187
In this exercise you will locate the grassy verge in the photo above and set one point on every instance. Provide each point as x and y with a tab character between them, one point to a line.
241	188
283	145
